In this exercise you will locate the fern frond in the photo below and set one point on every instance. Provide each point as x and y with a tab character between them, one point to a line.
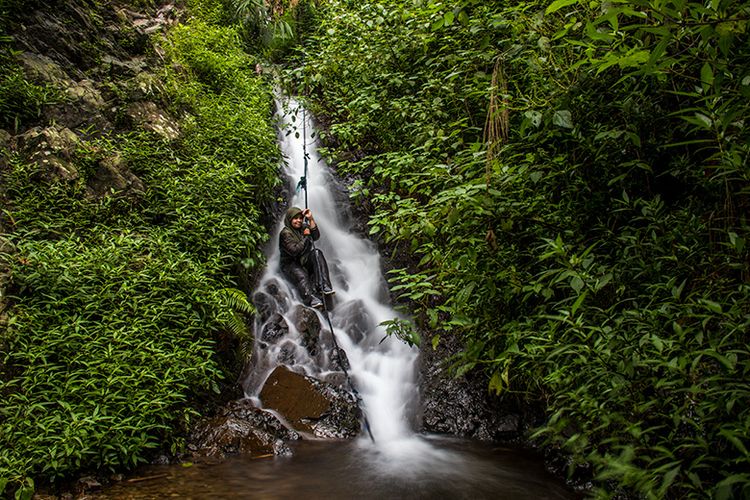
237	300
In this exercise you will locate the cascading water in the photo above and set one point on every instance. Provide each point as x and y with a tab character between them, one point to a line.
383	372
400	464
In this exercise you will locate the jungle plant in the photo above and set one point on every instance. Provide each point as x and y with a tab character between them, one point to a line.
591	253
117	298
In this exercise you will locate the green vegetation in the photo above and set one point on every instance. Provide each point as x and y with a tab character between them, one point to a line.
572	179
117	299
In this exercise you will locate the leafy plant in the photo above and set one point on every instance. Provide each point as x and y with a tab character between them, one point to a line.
117	299
571	180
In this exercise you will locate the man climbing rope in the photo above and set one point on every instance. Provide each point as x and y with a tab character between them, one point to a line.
300	259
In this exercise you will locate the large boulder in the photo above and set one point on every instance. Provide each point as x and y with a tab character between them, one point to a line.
311	406
240	427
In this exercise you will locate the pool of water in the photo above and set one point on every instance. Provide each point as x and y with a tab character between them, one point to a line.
417	467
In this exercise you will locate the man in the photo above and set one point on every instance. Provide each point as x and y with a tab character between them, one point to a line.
299	260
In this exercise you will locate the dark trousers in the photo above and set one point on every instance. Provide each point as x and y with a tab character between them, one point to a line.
314	266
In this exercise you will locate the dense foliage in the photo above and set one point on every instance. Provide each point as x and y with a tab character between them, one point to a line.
117	299
572	179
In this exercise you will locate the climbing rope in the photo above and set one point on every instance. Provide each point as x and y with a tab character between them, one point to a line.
342	364
302	184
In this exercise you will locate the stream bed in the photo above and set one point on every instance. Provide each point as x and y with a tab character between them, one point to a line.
416	468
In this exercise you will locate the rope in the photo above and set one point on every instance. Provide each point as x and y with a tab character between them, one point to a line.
304	151
346	372
303	184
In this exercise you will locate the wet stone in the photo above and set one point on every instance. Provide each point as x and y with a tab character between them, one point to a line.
311	405
240	427
276	290
462	406
308	325
265	304
274	329
339	359
286	355
352	317
336	379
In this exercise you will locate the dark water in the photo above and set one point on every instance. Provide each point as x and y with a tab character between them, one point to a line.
416	468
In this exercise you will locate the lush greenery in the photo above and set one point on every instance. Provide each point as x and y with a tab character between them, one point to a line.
117	299
572	179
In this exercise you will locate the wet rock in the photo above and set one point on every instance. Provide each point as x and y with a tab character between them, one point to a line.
307	323
463	406
282	449
339	359
336	379
310	405
276	290
274	329
87	483
330	356
265	304
353	318
113	175
287	354
240	427
161	460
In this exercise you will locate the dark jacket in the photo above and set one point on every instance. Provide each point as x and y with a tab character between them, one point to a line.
293	245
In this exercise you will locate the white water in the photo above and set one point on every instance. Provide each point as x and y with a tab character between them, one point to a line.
383	372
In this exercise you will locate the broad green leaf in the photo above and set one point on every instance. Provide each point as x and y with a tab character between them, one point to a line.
563	118
559	4
707	76
435	341
712	305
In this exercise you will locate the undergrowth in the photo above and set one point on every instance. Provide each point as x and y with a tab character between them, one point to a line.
572	181
116	300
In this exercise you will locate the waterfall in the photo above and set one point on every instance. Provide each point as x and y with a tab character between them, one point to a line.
384	372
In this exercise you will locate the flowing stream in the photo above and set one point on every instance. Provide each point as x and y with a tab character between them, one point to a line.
400	463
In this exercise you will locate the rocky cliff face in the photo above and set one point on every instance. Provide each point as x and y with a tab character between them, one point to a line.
101	59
